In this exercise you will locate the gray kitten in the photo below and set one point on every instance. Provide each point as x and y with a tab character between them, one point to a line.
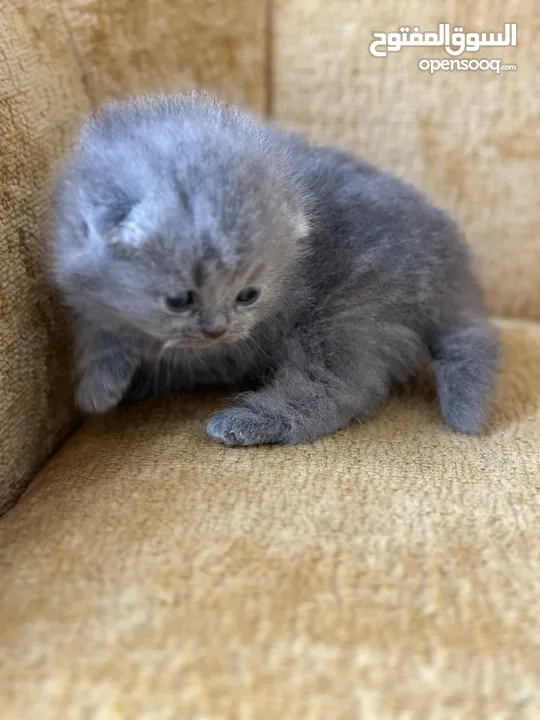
198	247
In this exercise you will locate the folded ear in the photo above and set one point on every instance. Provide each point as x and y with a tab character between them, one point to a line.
105	220
134	227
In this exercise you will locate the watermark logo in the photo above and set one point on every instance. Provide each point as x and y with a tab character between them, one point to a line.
494	65
454	40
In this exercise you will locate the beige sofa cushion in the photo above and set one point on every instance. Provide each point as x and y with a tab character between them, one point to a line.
387	571
58	59
471	139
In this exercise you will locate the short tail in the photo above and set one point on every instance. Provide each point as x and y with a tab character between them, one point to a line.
465	362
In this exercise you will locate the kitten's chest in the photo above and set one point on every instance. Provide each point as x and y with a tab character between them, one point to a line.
188	370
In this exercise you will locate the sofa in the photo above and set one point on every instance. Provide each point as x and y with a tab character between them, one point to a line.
391	570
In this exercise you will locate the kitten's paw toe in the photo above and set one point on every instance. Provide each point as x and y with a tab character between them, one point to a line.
240	426
96	398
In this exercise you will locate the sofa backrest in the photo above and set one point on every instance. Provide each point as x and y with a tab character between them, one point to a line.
471	138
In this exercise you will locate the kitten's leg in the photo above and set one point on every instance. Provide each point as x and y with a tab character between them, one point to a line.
465	362
316	392
105	367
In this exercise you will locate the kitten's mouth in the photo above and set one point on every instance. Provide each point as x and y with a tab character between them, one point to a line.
202	344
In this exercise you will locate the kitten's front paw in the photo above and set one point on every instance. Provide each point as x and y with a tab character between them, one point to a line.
240	426
95	395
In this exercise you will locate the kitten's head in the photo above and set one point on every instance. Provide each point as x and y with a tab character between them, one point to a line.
177	218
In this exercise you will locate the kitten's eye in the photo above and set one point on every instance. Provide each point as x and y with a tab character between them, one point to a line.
180	302
247	296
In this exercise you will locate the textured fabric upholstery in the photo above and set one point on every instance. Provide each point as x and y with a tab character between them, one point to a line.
388	572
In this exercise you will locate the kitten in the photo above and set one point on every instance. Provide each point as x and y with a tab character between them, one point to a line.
198	247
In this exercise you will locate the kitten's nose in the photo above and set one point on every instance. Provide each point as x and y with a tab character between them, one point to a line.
213	327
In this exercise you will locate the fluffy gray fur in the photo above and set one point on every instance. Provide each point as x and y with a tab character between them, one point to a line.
361	278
